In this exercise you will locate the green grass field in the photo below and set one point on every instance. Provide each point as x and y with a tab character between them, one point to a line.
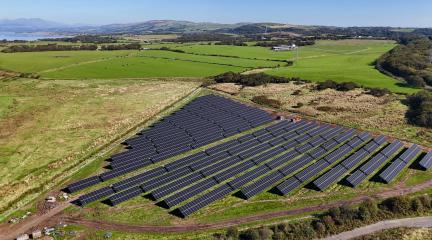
56	124
342	61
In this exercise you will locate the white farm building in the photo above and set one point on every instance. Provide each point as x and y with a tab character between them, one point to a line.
284	47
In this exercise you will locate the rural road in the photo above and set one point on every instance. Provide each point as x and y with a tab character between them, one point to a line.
406	222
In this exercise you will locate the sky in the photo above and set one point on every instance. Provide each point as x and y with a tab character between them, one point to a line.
398	13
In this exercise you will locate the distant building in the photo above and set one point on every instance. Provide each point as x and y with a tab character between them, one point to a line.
284	47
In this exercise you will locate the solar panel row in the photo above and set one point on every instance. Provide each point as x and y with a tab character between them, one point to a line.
374	163
426	161
399	164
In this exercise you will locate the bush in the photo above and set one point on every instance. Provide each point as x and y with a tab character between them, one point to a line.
264	100
398	205
265	233
250	234
327	84
378	92
420	109
345	86
232	233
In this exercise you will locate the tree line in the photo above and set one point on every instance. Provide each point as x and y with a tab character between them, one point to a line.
58	47
84	39
410	60
252	80
336	220
49	47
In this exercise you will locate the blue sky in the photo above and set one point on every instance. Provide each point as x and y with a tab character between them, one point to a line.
405	13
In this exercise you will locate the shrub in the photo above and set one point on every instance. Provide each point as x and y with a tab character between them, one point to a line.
250	234
265	233
327	84
420	109
347	86
378	92
264	100
398	205
232	233
426	201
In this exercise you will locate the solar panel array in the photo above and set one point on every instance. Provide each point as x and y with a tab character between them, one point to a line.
204	120
282	157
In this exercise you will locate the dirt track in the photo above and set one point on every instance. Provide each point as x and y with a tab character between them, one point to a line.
406	222
12	231
222	224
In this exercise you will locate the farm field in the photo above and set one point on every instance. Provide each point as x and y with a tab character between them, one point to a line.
44	133
342	61
34	62
159	64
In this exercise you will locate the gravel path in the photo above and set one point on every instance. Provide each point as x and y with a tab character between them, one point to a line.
420	222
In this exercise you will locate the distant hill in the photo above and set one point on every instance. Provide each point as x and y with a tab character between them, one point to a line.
172	26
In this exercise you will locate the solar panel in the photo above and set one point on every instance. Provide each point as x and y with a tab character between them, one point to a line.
373	164
185	161
189	192
95	195
337	154
288	186
138	179
176	185
247	177
356	178
255	150
295	165
410	153
166	178
355	159
125	195
219	166
267	155
392	170
392	148
261	185
329	177
204	200
426	161
82	184
311	170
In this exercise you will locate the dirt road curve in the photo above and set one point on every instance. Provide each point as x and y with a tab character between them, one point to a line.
406	222
8	231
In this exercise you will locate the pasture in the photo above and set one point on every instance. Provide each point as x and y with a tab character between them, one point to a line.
43	132
342	61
